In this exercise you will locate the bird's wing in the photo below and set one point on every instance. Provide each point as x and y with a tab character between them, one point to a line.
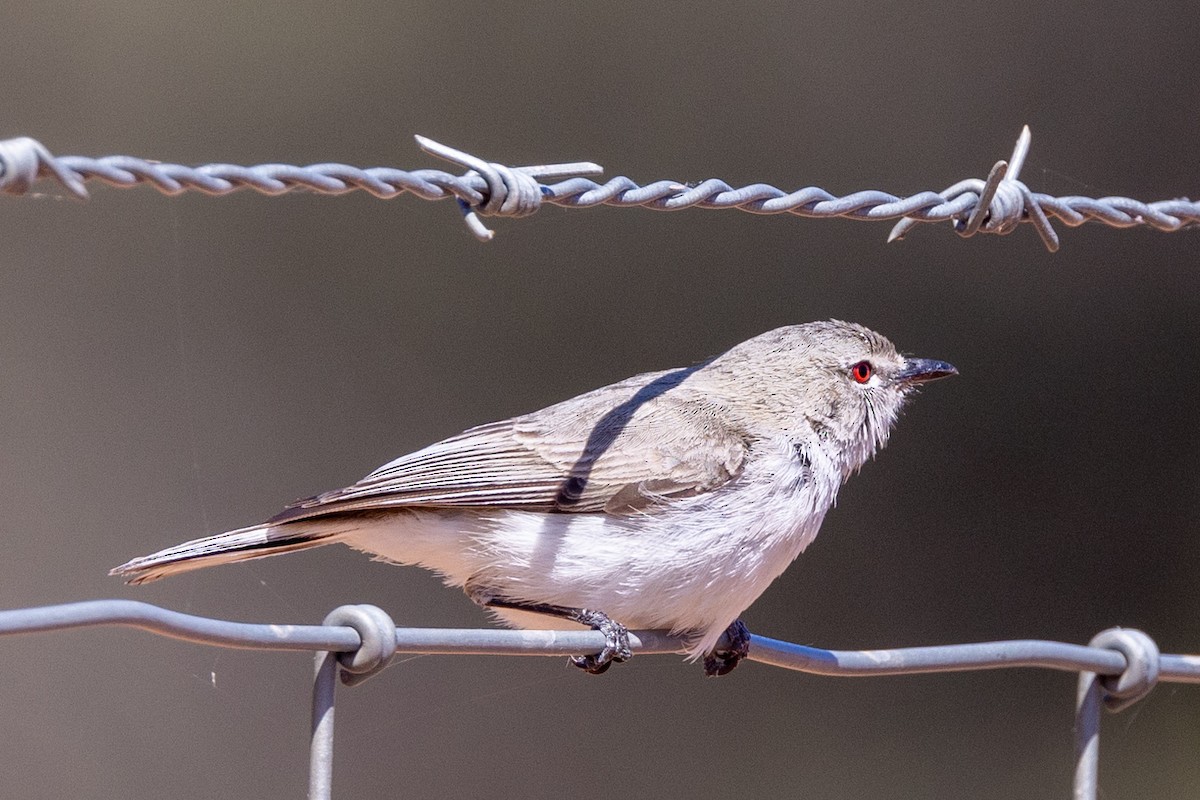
628	448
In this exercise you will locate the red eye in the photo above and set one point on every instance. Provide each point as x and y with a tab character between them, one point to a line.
862	371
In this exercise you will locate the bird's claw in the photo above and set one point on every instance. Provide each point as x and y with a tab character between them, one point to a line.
723	661
616	643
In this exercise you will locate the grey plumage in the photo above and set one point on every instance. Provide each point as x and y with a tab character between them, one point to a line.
670	499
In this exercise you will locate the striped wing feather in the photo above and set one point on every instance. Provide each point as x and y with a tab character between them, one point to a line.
629	447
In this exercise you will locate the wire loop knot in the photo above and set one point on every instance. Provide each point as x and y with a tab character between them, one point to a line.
1141	670
377	634
1002	202
508	191
1005	211
23	159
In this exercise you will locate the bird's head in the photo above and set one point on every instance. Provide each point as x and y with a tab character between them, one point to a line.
836	380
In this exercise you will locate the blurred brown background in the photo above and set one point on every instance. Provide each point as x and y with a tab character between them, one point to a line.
173	367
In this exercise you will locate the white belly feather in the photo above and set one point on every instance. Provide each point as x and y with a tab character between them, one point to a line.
691	568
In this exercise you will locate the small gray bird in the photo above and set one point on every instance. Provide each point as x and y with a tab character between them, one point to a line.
668	500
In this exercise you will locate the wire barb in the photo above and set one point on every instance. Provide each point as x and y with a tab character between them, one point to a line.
511	191
1000	203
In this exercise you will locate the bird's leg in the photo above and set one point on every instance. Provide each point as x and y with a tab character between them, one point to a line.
722	661
616	636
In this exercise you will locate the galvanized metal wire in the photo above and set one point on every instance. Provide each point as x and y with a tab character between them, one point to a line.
999	204
1118	668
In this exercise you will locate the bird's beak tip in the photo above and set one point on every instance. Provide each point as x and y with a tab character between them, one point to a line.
924	370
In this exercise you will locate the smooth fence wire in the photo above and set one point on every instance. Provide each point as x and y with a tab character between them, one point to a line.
996	205
1119	667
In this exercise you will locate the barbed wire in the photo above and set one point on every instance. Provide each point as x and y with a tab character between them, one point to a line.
1119	667
996	205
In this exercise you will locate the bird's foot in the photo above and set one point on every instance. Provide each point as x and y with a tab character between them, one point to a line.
722	661
616	642
616	636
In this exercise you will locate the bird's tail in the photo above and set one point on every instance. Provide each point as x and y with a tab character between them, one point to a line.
244	544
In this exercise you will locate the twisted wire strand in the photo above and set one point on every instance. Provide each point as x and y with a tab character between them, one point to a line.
125	172
996	206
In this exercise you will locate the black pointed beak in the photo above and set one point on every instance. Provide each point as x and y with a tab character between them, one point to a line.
923	370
